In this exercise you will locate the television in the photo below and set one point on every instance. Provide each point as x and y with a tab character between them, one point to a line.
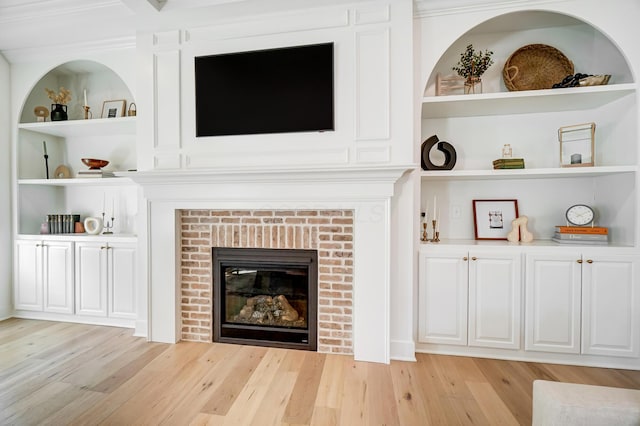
279	90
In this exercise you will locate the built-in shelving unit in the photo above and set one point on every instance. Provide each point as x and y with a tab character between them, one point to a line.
478	125
471	293
67	142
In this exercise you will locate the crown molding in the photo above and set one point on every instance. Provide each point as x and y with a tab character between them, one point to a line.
76	49
49	9
431	8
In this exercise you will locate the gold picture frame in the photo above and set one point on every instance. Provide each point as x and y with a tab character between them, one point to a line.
113	109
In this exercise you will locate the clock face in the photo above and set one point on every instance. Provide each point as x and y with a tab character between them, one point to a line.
580	215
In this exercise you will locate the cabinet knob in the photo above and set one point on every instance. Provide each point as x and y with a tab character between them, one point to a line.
103	247
465	258
474	258
589	261
579	260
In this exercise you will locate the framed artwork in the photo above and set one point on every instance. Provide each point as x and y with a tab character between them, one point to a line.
492	218
113	109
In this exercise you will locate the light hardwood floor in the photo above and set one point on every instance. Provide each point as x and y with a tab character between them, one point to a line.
61	373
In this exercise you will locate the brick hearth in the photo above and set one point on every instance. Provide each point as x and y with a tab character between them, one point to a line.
328	231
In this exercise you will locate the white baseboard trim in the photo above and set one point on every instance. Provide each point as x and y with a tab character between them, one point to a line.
141	329
6	312
403	350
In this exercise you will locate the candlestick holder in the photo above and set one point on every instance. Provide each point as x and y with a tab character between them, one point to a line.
87	113
424	232
107	226
436	233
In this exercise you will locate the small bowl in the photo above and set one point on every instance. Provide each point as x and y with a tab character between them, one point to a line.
94	163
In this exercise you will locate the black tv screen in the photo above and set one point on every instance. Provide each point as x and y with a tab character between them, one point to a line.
265	91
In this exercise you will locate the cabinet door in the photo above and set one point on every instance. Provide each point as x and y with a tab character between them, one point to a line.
443	298
610	305
91	279
495	284
122	279
58	277
27	291
552	293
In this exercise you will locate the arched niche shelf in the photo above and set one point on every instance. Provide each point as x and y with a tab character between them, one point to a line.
100	82
591	51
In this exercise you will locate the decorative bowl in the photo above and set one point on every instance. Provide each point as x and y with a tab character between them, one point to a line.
94	163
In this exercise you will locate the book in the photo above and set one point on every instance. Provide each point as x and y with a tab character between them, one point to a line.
509	163
95	173
582	230
581	237
589	242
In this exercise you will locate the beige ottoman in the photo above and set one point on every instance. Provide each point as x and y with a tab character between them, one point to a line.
556	403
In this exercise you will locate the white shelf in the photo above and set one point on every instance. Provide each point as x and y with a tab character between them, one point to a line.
94	127
123	238
526	173
111	181
504	243
524	102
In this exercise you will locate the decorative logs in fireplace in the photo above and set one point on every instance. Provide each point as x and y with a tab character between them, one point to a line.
268	310
265	297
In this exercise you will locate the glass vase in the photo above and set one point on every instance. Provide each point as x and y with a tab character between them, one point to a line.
472	85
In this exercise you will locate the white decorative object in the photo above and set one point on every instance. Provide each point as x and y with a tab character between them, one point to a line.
514	235
93	225
519	231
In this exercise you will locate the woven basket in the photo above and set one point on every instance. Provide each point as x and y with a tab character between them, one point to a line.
535	66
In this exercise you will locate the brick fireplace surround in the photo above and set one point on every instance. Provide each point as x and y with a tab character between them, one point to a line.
354	294
328	231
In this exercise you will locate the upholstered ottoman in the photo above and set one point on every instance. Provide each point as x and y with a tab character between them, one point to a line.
556	403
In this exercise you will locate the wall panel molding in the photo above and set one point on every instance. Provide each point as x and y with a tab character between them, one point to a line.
166	70
372	84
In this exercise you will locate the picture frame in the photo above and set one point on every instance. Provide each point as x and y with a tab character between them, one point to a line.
492	218
113	109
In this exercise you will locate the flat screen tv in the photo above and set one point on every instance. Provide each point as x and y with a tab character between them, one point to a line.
278	90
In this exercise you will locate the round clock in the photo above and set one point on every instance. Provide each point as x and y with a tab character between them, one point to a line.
580	215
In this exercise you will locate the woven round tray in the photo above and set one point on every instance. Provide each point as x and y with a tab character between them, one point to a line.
535	66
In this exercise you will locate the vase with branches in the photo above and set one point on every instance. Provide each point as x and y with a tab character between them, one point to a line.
472	65
59	106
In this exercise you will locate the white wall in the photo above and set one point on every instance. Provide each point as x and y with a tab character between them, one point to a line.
6	305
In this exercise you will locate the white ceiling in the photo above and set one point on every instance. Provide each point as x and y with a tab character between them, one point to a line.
29	24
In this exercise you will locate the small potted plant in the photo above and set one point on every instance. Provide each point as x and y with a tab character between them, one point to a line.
471	66
59	106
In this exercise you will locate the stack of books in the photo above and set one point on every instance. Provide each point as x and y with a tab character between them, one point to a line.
95	173
581	235
508	163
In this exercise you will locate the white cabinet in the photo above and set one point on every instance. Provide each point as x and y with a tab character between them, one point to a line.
105	279
553	302
44	276
610	305
495	284
442	297
583	302
470	297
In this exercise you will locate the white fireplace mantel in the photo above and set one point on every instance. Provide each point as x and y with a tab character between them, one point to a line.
366	190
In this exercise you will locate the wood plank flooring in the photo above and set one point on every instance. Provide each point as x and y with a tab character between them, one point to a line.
60	373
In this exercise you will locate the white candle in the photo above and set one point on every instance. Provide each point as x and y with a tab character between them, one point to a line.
434	206
85	97
104	201
44	145
113	203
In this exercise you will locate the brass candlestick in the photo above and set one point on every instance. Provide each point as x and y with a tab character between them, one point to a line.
424	232
87	113
436	234
107	226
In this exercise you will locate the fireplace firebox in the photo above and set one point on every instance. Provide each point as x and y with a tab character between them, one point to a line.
265	297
